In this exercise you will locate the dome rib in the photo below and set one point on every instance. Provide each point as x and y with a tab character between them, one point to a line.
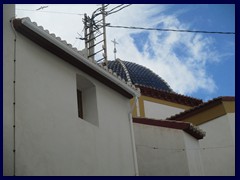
125	70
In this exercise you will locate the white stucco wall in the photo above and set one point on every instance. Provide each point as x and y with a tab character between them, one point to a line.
231	120
50	138
218	147
159	111
166	152
194	156
8	66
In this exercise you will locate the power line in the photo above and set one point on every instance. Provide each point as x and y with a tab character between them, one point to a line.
109	12
115	8
174	30
51	12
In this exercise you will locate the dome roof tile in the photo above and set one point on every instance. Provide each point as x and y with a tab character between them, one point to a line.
139	75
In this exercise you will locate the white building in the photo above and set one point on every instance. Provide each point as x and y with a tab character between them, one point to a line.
216	150
166	148
65	114
217	119
44	132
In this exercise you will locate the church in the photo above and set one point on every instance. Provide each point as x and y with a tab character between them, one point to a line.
64	114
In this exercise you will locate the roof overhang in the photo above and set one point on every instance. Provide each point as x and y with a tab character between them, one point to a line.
185	126
68	54
207	111
169	96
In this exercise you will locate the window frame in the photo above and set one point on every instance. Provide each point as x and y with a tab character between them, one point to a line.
80	103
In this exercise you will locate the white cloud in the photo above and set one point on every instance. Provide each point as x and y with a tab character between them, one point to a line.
185	72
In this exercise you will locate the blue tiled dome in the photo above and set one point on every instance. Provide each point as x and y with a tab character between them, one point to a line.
138	74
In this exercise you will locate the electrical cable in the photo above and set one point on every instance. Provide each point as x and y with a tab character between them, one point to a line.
119	9
51	12
115	7
174	30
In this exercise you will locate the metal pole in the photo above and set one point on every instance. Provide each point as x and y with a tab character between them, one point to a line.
91	36
104	35
85	30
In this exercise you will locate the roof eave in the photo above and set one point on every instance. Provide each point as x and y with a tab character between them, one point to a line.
169	96
200	108
192	130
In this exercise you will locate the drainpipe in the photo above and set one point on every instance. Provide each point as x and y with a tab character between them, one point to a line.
132	136
14	99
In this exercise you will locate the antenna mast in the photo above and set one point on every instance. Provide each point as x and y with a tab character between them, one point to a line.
92	34
104	35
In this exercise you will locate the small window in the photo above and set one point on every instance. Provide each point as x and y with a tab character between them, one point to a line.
80	104
86	100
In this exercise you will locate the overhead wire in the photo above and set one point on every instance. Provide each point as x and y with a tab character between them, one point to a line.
108	13
116	7
51	12
173	30
100	11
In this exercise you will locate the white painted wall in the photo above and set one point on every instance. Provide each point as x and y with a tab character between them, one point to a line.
166	152
159	111
194	157
231	120
218	147
8	66
51	139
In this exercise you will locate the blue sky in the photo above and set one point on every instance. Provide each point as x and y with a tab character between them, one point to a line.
213	18
197	65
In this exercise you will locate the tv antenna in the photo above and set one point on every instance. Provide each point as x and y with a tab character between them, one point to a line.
92	32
